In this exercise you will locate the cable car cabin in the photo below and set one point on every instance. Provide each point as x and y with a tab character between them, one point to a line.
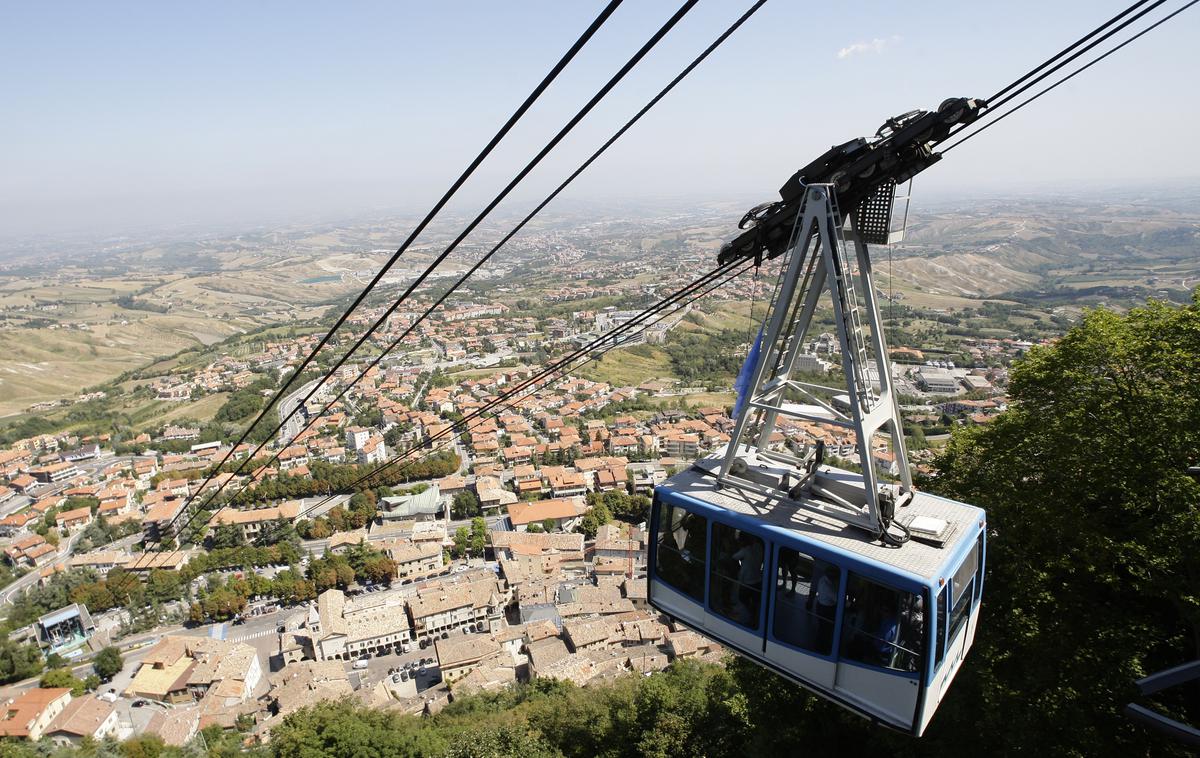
880	630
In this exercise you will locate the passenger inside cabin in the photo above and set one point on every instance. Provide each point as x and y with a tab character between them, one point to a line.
882	627
822	601
806	592
749	558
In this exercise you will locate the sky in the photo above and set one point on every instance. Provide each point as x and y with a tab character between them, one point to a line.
121	116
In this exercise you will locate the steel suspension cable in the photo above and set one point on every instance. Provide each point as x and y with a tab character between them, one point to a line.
420	227
594	350
1068	49
521	225
595	344
1070	76
511	404
1012	92
1058	66
608	86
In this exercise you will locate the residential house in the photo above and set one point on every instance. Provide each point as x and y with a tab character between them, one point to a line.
475	601
74	519
100	561
30	551
18	522
413	559
176	726
28	715
184	669
86	717
373	451
143	563
564	512
252	522
55	472
458	655
564	482
162	520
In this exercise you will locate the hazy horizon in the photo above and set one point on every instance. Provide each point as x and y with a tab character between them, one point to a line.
134	117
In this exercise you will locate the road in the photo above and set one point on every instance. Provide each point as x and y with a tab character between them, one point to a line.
16	503
65	550
309	505
289	403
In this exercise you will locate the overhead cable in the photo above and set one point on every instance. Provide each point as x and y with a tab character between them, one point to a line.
503	131
1070	76
593	351
531	215
603	92
1027	85
1068	49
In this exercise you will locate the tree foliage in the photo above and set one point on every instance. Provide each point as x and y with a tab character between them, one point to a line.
108	663
18	661
466	505
1095	531
63	678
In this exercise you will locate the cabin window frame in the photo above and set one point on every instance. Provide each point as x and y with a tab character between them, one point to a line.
917	673
815	559
659	547
941	626
711	574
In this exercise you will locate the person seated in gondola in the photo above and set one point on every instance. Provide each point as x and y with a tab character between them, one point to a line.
911	635
885	638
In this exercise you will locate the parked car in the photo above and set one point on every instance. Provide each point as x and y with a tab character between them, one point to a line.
140	703
361	663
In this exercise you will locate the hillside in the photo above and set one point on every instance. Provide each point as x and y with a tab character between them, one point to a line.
76	316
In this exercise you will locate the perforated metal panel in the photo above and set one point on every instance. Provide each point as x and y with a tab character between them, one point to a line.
873	217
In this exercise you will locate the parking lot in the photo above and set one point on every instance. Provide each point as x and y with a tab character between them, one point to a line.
378	668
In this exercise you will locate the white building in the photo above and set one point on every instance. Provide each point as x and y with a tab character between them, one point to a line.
936	380
350	629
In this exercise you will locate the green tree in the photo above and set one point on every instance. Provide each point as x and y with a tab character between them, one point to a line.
1095	533
462	541
226	536
143	746
466	505
597	516
108	663
62	678
478	538
18	661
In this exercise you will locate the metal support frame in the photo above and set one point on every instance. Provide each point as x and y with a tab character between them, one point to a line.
818	263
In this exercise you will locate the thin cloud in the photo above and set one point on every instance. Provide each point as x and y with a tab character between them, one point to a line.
877	46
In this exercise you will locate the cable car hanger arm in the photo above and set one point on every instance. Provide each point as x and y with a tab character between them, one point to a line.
903	147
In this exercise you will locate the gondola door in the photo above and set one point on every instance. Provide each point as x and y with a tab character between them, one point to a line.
881	650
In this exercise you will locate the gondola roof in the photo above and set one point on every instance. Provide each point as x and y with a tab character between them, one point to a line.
922	560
